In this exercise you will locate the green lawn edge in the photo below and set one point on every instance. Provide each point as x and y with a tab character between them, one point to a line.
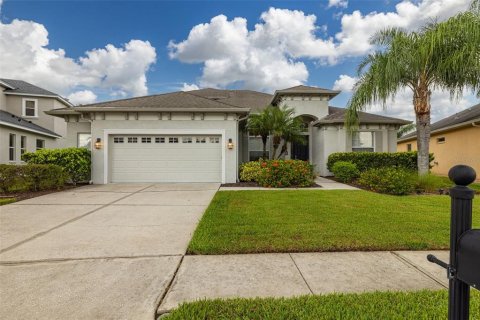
423	304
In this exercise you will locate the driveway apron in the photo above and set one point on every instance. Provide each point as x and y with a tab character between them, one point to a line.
97	252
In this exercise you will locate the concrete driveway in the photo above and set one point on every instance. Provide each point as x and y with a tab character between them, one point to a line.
96	252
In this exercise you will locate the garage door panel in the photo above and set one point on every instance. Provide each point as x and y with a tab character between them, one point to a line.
165	162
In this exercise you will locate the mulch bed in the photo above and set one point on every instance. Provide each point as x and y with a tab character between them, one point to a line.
255	185
19	196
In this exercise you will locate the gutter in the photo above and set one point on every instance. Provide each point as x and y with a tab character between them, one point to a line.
8	124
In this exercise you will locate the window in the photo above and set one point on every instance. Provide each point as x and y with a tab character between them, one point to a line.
172	140
11	147
23	145
117	139
30	108
409	147
441	140
255	148
187	140
201	140
159	140
214	140
84	140
40	144
146	140
132	139
363	141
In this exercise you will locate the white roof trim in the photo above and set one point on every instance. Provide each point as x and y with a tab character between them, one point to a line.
7	124
66	102
3	83
440	130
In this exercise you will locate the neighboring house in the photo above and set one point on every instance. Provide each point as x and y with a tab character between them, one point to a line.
24	126
454	140
197	136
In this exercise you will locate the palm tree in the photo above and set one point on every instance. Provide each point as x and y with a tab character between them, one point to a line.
260	124
278	122
403	130
442	55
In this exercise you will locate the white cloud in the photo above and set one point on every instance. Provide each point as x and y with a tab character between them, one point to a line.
345	83
82	97
337	3
25	55
189	87
270	56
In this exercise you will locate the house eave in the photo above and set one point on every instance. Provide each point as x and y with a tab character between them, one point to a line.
7	124
64	101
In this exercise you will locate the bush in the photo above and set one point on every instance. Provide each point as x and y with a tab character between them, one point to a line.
345	171
397	181
285	173
368	160
76	162
249	171
31	177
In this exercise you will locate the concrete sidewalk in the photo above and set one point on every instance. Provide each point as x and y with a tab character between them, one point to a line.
286	275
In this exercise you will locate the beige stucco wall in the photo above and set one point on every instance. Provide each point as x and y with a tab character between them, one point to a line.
313	106
3	100
328	139
104	124
461	146
50	143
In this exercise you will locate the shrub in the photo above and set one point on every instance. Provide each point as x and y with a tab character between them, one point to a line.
249	171
285	173
345	171
397	181
31	177
432	183
368	160
76	162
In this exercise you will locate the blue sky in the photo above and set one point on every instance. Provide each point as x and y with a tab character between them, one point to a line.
314	55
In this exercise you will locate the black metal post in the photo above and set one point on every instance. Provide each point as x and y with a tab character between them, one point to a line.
461	221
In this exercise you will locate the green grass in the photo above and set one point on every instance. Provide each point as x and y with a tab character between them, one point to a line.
377	305
446	181
320	220
5	201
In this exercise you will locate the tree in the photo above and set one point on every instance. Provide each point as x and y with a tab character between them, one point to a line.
281	124
442	56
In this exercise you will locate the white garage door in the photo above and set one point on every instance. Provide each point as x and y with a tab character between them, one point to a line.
165	158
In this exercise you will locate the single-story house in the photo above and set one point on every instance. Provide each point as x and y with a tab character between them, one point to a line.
197	136
24	126
453	140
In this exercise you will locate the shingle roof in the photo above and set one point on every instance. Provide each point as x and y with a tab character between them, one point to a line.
472	113
6	118
254	100
301	89
337	115
25	87
175	101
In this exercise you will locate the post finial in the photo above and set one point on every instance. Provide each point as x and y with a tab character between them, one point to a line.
462	175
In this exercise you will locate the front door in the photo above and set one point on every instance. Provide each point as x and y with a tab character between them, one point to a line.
300	150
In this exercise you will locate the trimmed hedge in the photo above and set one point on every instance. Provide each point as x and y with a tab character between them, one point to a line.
249	171
345	171
31	177
396	181
278	173
76	162
368	160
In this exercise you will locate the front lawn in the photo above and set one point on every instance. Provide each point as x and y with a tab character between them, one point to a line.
4	201
320	220
378	305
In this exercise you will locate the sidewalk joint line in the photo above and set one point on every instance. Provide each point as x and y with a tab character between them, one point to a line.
67	222
161	298
301	274
420	269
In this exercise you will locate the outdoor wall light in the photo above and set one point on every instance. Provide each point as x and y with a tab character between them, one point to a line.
98	144
230	144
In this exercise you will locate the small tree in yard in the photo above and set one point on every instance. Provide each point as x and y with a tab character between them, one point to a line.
442	55
281	124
